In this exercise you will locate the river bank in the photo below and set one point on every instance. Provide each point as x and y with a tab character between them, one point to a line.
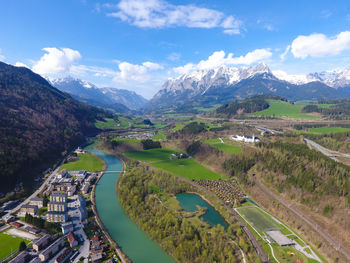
116	224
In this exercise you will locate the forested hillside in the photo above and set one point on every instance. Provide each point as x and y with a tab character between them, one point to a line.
250	105
38	123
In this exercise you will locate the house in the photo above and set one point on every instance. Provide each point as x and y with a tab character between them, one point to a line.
49	190
21	258
52	249
79	174
41	242
71	239
16	224
71	190
278	237
32	230
243	138
82	207
85	188
79	151
62	174
37	201
57	217
96	257
29	209
8	218
64	255
67	227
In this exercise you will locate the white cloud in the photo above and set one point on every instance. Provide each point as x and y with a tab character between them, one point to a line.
135	72
56	61
285	53
174	56
219	58
319	45
161	14
20	64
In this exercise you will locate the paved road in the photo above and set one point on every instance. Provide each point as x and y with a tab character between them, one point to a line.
327	152
326	236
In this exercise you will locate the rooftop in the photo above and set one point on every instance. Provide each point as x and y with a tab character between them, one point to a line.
280	238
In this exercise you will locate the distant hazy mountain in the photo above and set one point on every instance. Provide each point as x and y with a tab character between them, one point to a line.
38	123
224	84
118	99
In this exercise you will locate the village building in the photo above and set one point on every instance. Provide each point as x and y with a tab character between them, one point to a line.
71	239
32	230
67	227
96	257
21	258
41	243
71	190
64	256
57	208
37	201
85	188
52	249
249	139
29	209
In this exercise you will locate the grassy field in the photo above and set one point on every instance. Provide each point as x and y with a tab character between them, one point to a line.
284	109
325	130
227	148
153	155
259	220
187	168
9	244
112	124
87	161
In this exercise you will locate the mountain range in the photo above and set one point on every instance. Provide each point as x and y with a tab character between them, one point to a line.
224	84
119	100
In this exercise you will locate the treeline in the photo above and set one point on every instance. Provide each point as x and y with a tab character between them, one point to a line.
305	126
150	144
339	141
250	105
139	191
288	165
339	111
51	228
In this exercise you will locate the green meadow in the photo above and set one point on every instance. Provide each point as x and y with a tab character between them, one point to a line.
112	124
9	244
87	161
125	140
325	130
187	168
285	109
225	147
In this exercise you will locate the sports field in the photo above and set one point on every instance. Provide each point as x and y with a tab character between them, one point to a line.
87	161
258	219
9	244
187	168
227	148
284	109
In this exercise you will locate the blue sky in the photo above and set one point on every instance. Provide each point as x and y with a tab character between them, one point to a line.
138	44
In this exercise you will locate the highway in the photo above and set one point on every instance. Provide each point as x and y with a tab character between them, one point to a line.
327	152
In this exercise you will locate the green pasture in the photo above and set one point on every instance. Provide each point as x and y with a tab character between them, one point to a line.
325	130
225	147
9	244
87	161
152	155
109	123
285	109
187	168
